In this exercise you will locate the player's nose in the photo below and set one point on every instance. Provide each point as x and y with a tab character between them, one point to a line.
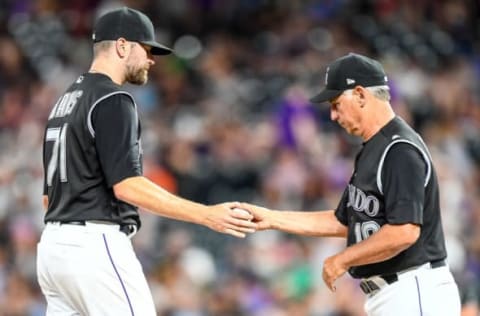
150	60
333	115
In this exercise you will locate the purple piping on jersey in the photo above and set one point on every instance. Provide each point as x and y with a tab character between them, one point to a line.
118	275
419	297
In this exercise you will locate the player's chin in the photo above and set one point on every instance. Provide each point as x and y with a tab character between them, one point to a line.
145	76
139	78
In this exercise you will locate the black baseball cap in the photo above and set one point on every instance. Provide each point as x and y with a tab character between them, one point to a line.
130	24
348	72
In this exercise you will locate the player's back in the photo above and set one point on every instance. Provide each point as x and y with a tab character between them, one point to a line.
74	180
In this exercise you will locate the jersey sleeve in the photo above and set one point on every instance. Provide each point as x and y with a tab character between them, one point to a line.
403	176
116	138
341	210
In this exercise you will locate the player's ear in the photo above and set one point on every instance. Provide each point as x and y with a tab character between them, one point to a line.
359	93
122	47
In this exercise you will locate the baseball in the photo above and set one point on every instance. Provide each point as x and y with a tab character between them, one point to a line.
241	211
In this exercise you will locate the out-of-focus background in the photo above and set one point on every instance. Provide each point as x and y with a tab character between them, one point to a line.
228	118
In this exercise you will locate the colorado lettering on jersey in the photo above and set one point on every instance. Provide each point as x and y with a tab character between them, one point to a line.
362	202
65	104
368	204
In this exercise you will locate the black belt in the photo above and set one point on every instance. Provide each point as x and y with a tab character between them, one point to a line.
127	229
369	286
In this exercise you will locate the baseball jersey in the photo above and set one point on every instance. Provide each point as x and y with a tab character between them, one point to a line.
91	142
393	182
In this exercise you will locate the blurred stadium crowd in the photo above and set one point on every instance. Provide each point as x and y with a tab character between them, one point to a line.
228	118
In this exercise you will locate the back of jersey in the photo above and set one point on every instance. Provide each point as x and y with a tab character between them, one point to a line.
74	180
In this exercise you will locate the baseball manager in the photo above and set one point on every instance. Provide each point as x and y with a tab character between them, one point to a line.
389	212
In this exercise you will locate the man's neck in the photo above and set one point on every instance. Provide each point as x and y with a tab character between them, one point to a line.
376	120
108	69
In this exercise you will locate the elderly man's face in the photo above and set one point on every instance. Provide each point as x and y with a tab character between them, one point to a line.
346	111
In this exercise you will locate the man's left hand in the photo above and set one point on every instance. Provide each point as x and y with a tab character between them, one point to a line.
333	268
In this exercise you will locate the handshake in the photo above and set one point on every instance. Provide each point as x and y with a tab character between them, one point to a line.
236	219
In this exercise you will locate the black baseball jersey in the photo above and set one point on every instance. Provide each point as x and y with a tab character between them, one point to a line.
393	182
91	142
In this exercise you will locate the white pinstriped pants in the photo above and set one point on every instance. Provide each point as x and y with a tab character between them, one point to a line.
91	270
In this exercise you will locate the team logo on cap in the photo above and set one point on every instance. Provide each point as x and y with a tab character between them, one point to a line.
350	81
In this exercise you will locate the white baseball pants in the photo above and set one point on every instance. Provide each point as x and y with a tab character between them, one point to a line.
91	270
419	292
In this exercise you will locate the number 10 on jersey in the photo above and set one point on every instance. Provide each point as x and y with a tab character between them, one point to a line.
58	159
365	230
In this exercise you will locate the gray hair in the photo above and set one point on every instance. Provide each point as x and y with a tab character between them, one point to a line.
379	92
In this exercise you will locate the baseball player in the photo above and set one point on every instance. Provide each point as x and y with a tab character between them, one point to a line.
94	184
389	212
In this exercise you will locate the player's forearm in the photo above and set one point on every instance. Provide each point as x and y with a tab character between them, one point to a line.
320	223
142	192
388	242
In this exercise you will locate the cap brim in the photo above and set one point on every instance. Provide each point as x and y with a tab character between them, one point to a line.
157	48
325	96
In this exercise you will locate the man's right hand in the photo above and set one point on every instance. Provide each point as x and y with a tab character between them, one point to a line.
224	219
260	215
